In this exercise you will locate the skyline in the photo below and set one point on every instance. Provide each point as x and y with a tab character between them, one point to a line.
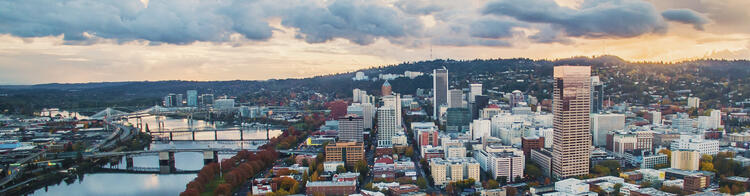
91	41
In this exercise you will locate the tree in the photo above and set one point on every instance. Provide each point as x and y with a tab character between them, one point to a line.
617	189
511	191
601	170
491	184
340	169
369	186
533	171
409	152
725	189
668	153
707	166
502	180
421	182
223	189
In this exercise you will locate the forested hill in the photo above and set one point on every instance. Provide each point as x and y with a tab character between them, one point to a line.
629	79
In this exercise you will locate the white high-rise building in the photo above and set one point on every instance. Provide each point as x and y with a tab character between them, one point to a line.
365	110
386	126
693	102
481	128
549	135
696	142
656	118
439	90
455	98
355	95
602	124
394	101
475	89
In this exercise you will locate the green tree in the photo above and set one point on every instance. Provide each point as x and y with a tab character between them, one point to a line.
409	152
491	184
601	170
340	169
533	171
421	182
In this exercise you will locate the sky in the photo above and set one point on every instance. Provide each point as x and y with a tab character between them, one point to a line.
71	41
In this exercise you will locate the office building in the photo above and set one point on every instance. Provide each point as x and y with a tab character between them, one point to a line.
602	124
386	89
387	126
192	98
543	158
656	118
207	99
572	139
481	128
507	163
221	104
365	110
439	90
597	94
529	143
474	90
168	101
453	169
696	142
693	102
517	99
394	101
685	159
457	119
455	98
331	187
480	106
427	137
348	152
350	128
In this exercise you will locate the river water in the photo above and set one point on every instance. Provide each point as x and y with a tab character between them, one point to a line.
159	184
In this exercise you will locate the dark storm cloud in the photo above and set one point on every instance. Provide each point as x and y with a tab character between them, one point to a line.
686	16
355	20
492	28
418	7
176	22
598	18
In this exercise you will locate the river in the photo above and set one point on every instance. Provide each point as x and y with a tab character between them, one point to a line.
158	184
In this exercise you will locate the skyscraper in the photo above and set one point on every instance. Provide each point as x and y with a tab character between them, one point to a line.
386	88
439	90
571	107
475	89
350	128
355	95
455	98
192	98
386	126
597	94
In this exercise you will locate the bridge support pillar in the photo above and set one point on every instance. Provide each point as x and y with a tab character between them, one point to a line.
129	161
216	135
193	135
210	157
166	162
241	135
170	136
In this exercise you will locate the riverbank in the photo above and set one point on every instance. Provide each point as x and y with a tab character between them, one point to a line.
73	169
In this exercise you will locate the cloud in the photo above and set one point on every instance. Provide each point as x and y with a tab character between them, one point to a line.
418	7
594	19
493	28
548	34
686	16
356	20
161	21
